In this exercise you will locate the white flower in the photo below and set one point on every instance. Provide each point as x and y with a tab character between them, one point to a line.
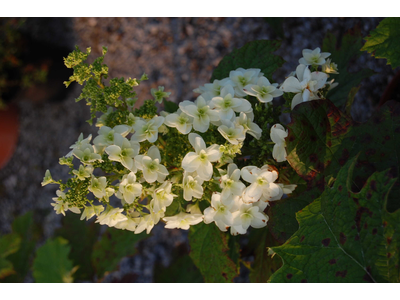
91	210
180	121
230	184
263	90
110	136
159	94
218	213
86	156
313	57
278	135
150	164
124	151
200	112
226	104
163	196
133	122
214	89
47	179
247	215
183	220
149	130
234	134
261	183
129	189
128	224
80	144
98	186
148	221
111	217
61	206
330	67
242	77
305	86
246	120
200	161
83	172
192	187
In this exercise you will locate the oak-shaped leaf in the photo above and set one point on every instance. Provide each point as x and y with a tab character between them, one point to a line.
112	247
384	41
344	236
210	253
51	264
255	54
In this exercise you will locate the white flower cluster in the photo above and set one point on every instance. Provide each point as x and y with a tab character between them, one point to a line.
144	184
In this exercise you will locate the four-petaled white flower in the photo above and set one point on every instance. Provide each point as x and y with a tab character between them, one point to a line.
183	220
330	67
231	184
261	184
80	144
111	216
192	187
263	90
247	215
234	134
98	186
91	210
305	86
278	135
313	57
83	172
200	161
163	196
124	151
246	120
180	121
151	165
227	104
110	136
149	130
129	189
47	178
201	113
242	78
219	213
61	206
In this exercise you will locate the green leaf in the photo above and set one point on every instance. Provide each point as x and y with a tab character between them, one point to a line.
113	246
384	41
73	230
170	107
264	265
255	54
349	50
51	264
342	235
209	251
321	139
9	244
23	226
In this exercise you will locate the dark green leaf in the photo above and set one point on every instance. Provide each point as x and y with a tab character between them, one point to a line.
113	246
9	244
209	251
81	249
256	54
342	235
321	139
170	106
384	41
24	226
264	265
51	264
351	44
6	268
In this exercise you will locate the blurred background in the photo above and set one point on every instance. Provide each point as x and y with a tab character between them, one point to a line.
39	118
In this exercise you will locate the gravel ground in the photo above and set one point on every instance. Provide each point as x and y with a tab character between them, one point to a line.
178	53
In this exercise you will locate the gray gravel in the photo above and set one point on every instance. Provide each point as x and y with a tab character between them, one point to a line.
178	53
